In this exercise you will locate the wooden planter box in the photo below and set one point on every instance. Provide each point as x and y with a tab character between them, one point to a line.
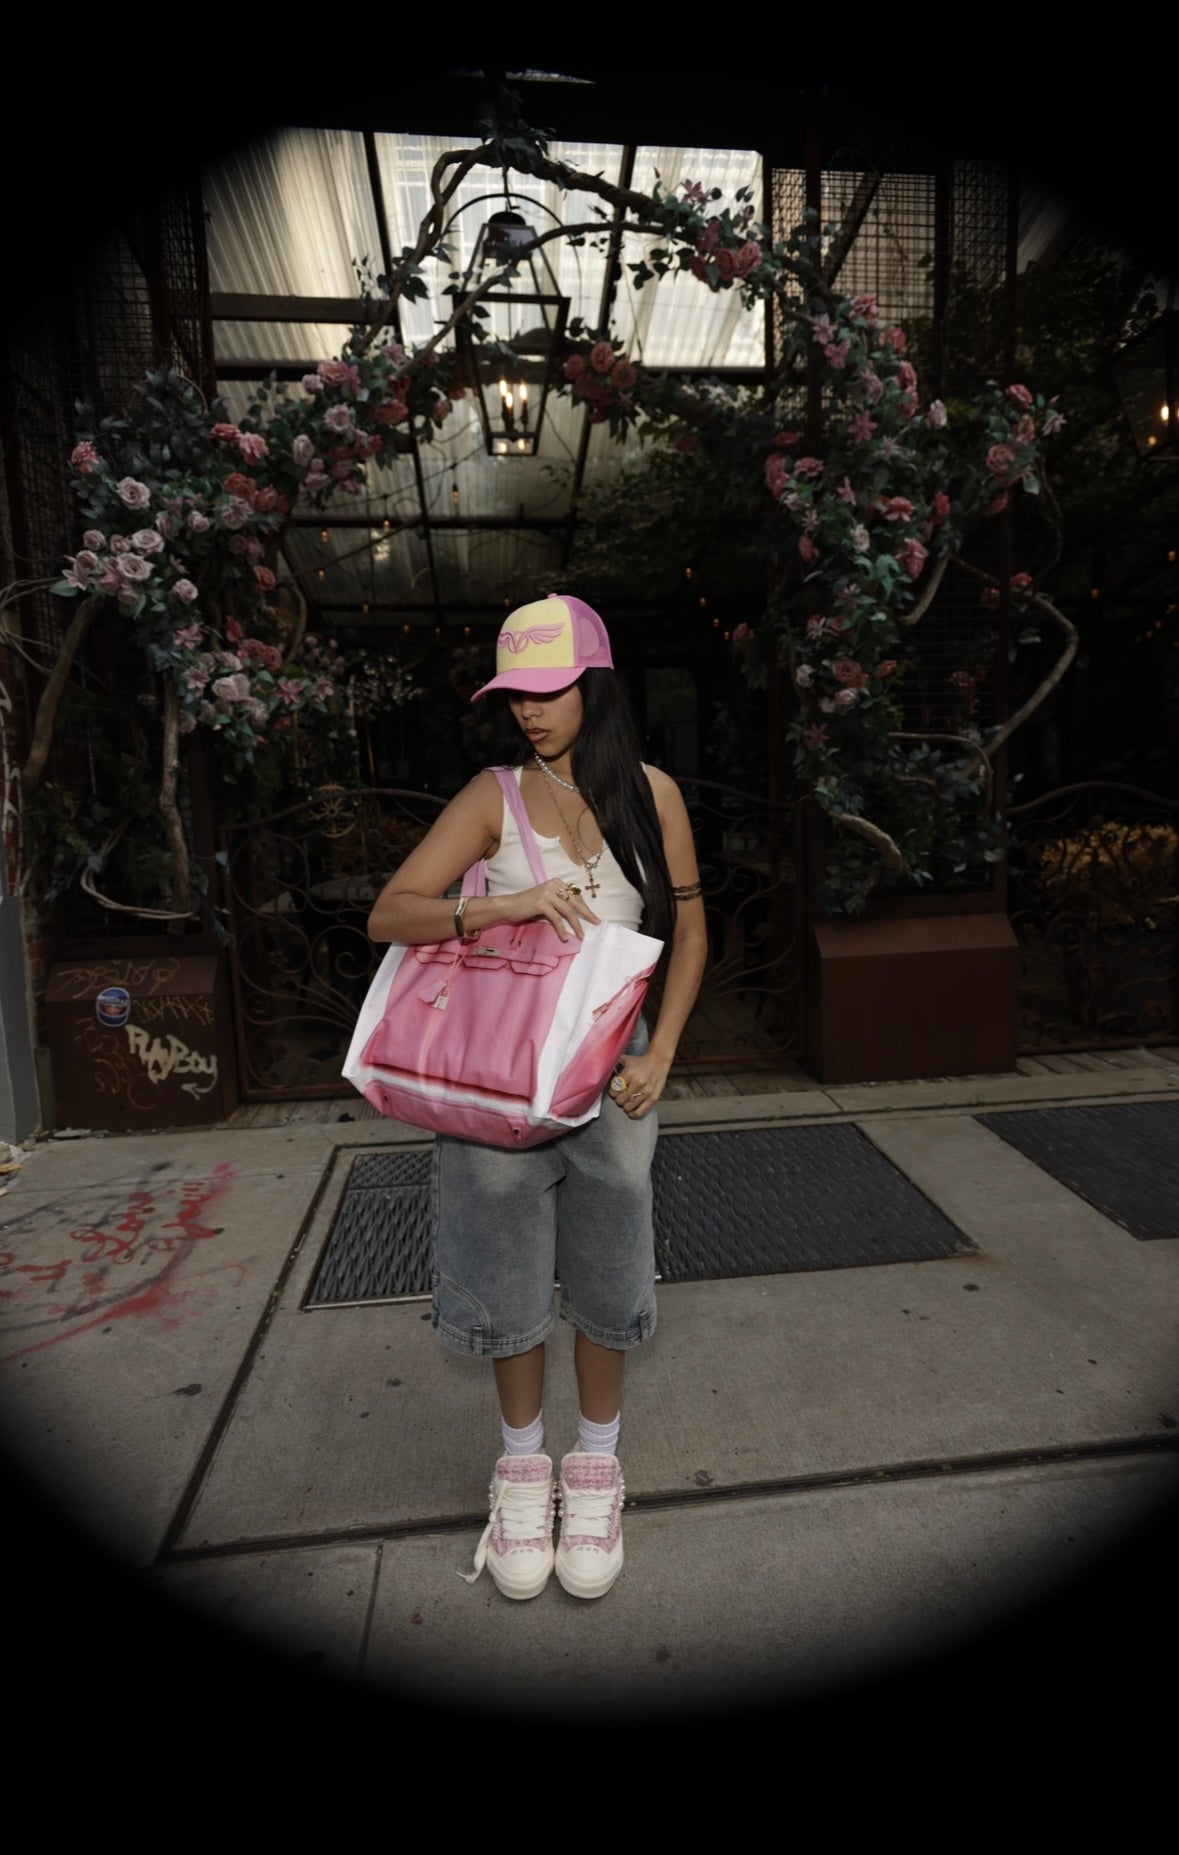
892	996
918	986
141	1036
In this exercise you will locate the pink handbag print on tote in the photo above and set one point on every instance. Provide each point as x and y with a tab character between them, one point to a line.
510	1038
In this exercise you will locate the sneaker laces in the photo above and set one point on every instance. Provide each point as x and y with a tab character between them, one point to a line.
589	1511
523	1507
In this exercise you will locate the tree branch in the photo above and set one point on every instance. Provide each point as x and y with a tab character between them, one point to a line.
889	852
929	594
54	689
181	880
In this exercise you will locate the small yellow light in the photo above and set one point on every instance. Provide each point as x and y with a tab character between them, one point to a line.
466	631
405	628
323	534
364	609
322	575
524	393
703	600
1094	592
687	573
1166	411
1170	553
715	622
728	635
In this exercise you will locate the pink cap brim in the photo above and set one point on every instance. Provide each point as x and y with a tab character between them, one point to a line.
532	682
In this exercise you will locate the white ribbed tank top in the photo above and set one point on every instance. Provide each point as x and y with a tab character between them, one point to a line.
508	872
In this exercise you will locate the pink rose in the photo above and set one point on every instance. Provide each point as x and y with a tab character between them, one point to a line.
252	446
775	472
846	698
914	555
265	579
906	376
238	485
264	500
941	506
94	538
1025	430
301	450
227	434
887	667
846	670
807	549
338	419
1022	584
860	538
873	386
936	414
1000	458
865	306
272	657
313	383
896	339
133	494
85	458
147	541
748	258
233	631
1020	395
786	439
624	375
804	676
132	567
392	412
185	591
236	513
341	374
726	264
895	508
198	523
809	467
601	357
235	688
574	367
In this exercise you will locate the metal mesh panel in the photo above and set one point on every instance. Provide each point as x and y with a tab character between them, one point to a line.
787	210
891	256
976	310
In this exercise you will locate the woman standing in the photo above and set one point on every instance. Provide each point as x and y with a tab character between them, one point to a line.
615	841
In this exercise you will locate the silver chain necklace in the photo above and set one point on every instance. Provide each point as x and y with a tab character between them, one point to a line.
592	885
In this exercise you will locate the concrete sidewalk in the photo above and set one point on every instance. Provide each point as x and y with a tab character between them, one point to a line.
832	1477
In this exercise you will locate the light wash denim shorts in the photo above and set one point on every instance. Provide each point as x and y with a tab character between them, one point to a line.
505	1221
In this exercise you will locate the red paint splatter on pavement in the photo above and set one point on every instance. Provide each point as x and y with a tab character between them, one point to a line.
161	1297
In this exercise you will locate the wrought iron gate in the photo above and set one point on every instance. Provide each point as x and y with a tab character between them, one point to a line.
299	886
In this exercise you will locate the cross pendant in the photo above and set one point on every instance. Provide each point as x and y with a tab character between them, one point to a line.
592	885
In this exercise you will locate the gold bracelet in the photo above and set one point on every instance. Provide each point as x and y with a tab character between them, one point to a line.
686	892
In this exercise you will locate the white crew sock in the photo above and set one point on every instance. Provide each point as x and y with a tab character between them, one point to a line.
598	1439
526	1442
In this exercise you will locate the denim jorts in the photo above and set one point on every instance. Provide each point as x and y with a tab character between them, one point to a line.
505	1220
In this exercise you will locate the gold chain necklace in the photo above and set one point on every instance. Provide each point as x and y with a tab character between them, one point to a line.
592	885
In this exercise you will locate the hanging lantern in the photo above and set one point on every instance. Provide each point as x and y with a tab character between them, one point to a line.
1147	376
509	364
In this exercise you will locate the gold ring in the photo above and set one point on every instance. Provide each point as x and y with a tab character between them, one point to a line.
619	1085
562	895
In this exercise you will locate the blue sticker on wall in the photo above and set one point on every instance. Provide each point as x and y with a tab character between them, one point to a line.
113	1006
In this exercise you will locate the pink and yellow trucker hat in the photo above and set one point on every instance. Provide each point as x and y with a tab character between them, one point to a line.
546	645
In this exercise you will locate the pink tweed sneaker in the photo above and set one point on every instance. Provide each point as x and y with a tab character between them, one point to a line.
589	1550
517	1542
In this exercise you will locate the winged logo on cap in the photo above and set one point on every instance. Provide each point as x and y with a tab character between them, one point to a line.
535	634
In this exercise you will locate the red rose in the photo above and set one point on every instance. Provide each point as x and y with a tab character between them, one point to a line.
1020	395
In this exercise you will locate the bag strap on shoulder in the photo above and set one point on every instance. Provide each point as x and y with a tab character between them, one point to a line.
510	788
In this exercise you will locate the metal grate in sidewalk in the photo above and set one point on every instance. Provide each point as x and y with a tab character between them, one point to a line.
765	1201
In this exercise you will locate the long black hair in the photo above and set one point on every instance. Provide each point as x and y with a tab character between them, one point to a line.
607	767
